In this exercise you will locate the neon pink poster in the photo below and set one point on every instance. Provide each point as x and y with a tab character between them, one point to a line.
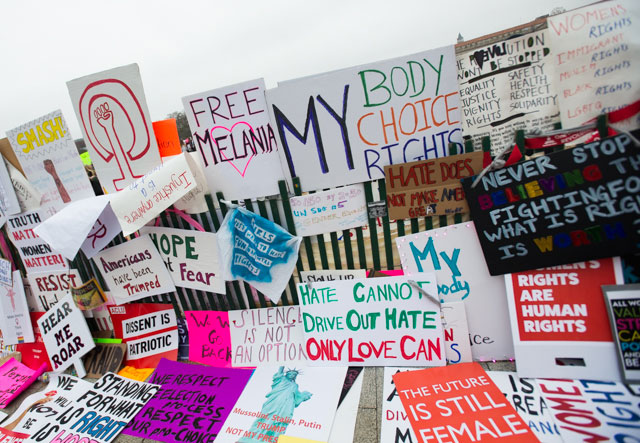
209	337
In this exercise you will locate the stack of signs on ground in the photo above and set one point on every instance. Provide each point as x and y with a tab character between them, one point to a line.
559	320
565	207
47	288
373	322
206	398
526	399
507	86
15	378
459	402
107	356
267	336
237	145
149	330
257	251
15	322
113	115
429	187
191	257
395	426
298	402
623	306
50	161
134	270
209	338
329	211
331	275
454	254
366	117
590	410
66	335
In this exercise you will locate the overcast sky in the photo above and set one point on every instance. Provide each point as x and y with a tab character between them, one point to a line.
185	47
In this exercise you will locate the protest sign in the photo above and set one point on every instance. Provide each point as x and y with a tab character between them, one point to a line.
66	335
34	354
105	357
329	211
456	332
267	336
558	316
454	254
15	322
394	426
373	322
101	233
295	402
8	199
570	206
192	404
507	86
47	288
145	198
525	397
112	112
150	332
5	272
344	422
590	410
134	270
28	196
191	257
89	295
15	378
209	339
367	117
429	187
35	253
331	275
183	339
623	307
194	202
257	251
593	52
459	402
139	374
235	140
166	133
50	161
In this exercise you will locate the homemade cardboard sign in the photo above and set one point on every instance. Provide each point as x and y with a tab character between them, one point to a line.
296	402
559	321
524	394
35	253
589	410
373	322
101	233
113	115
15	322
394	426
459	402
66	335
15	378
329	211
331	275
47	288
429	187
166	133
105	357
192	404
134	270
573	205
191	257
507	86
366	117
89	296
454	254
145	198
456	332
258	251
34	354
150	332
593	49
267	336
623	307
235	139
209	339
50	161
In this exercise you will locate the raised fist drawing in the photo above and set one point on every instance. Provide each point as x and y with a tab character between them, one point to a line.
103	115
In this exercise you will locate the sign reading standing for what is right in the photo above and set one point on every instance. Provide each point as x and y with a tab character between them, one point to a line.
566	207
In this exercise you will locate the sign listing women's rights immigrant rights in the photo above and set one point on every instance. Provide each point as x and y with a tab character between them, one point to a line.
343	127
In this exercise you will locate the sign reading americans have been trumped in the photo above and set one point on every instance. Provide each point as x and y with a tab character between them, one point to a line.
571	206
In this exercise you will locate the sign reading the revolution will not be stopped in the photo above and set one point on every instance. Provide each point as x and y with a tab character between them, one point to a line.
373	322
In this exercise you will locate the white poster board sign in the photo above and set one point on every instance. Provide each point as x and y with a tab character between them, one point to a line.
236	142
373	322
456	332
48	288
8	199
194	202
114	119
5	272
15	321
331	275
395	426
343	127
329	211
455	255
105	229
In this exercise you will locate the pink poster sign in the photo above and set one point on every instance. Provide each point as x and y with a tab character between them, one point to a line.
15	378
209	338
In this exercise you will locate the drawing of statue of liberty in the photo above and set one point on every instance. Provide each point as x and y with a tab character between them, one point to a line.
277	410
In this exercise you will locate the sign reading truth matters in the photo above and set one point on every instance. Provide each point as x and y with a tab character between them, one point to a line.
571	206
